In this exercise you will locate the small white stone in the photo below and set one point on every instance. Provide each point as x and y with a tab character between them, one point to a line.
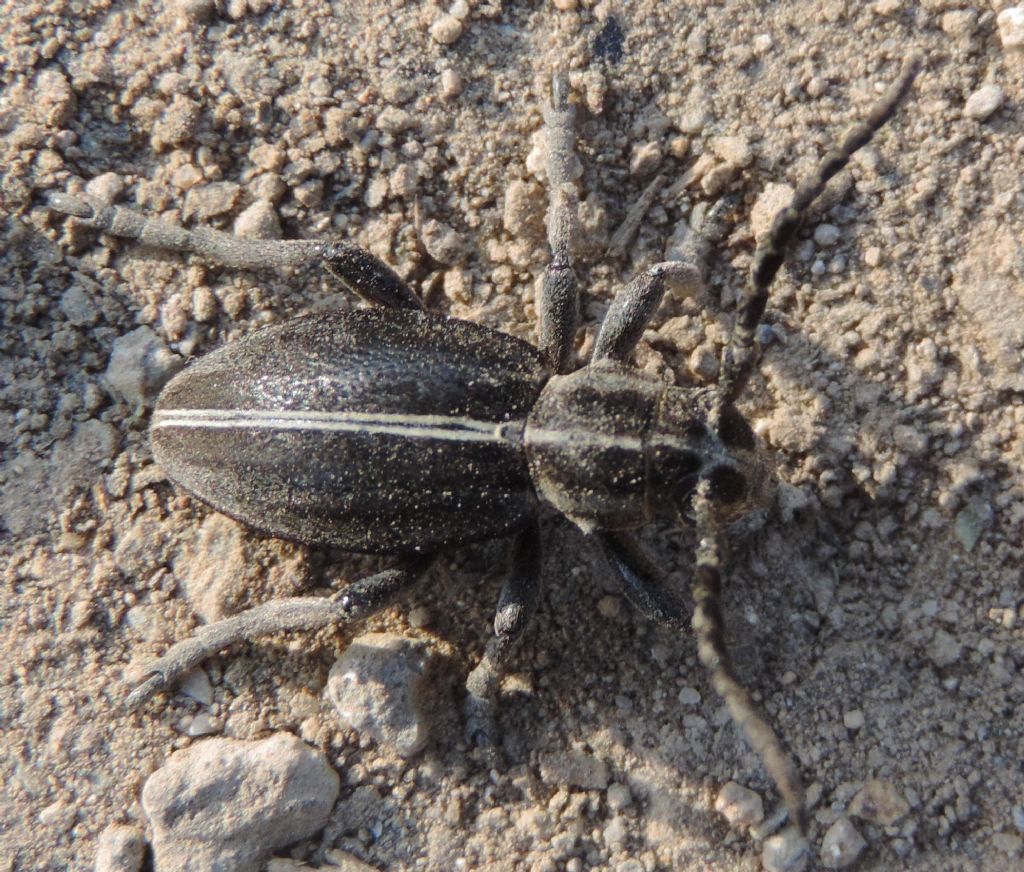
826	234
451	84
227	804
196	685
1011	27
259	221
733	150
619	797
739	805
842	845
616	833
785	852
203	724
446	30
689	696
853	720
959	22
773	199
121	849
983	102
816	87
378	687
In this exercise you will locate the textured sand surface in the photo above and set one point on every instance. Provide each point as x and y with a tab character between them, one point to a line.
877	609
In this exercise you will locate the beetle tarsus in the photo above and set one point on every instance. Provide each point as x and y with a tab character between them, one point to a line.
145	690
353	603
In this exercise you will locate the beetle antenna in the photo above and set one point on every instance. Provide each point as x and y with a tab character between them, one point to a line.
739	355
708	627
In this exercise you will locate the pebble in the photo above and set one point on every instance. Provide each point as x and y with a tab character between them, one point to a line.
1018	817
121	848
853	720
971	522
773	199
619	797
689	696
739	805
446	30
209	201
1011	27
785	852
842	845
645	159
983	102
79	307
259	221
227	804
616	832
442	242
203	724
451	84
140	365
106	187
378	686
960	23
879	802
1008	843
196	685
703	363
826	234
945	649
733	150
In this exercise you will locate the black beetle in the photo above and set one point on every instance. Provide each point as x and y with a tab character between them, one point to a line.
396	431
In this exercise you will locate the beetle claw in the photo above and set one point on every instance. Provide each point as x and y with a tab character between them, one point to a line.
146	690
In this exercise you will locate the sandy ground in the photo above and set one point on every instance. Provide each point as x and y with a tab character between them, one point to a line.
877	608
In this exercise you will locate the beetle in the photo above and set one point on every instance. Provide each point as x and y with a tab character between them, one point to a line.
392	430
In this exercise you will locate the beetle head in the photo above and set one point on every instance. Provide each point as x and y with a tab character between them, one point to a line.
683	448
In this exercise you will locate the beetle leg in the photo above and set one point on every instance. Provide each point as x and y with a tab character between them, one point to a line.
357	601
558	305
713	654
516	605
365	275
643	584
633	308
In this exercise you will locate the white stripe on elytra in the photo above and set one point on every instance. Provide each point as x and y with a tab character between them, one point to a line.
441	427
408	426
